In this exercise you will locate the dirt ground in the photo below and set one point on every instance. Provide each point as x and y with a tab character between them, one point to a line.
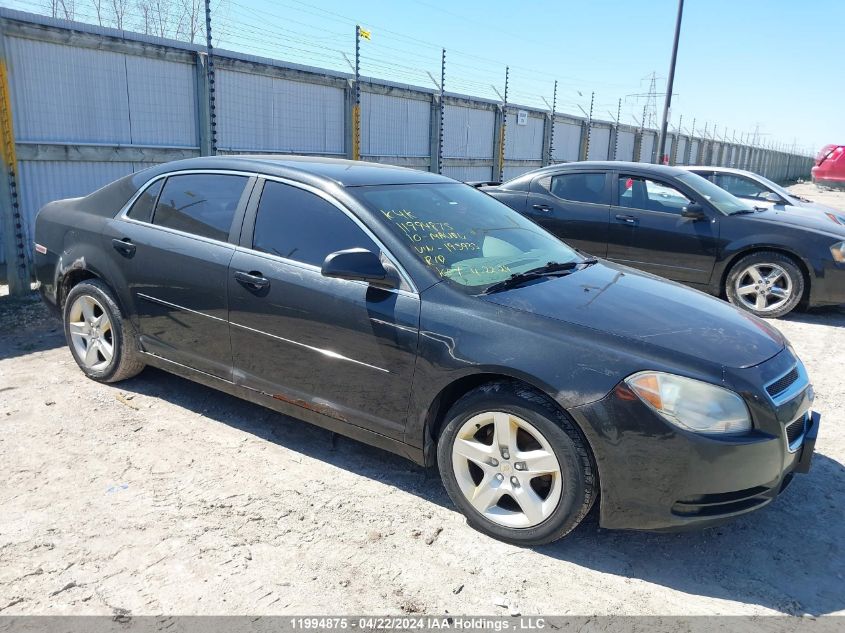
158	495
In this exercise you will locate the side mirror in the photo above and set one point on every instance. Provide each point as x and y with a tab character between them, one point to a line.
693	211
773	197
359	264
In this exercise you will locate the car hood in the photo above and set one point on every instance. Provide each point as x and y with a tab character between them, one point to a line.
637	306
815	206
807	216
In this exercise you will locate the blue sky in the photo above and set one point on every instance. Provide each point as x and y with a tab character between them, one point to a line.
743	65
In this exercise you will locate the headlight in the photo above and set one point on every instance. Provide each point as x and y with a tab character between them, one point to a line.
838	252
691	404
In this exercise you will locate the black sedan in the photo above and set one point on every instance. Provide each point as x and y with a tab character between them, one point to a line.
674	223
417	314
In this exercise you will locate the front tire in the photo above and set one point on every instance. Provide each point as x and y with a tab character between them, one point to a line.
515	465
768	284
102	342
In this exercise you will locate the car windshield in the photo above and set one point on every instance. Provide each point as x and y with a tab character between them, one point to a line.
463	235
774	187
718	197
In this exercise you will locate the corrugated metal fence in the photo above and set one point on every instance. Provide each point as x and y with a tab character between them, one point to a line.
91	104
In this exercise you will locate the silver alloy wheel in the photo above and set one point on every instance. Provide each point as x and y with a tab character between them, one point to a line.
91	332
764	287
506	469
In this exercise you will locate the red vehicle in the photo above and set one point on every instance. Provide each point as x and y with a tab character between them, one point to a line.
829	170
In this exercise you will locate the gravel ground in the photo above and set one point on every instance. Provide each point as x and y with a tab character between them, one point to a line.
158	495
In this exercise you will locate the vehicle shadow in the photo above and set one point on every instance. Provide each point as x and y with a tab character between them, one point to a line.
788	557
828	315
296	435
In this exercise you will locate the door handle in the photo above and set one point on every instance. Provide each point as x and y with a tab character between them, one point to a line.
542	207
252	279
125	246
630	219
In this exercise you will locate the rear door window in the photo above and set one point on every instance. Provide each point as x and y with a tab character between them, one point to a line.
299	225
577	187
142	209
200	204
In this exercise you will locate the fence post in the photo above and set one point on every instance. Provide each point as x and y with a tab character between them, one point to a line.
349	118
498	144
611	144
203	105
584	147
211	79
588	129
17	259
548	132
435	134
356	107
500	126
676	141
615	138
440	115
638	146
549	142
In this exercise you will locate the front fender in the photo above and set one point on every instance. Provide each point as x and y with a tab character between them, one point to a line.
761	242
462	337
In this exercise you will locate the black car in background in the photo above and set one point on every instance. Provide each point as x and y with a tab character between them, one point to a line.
674	223
417	314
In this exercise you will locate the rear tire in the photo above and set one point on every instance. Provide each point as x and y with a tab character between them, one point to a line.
103	343
516	465
768	284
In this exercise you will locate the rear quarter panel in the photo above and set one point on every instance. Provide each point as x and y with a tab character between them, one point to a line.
514	199
70	230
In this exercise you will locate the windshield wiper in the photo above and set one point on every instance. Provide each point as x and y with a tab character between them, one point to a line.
551	269
744	211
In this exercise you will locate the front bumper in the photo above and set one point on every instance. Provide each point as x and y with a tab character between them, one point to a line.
655	476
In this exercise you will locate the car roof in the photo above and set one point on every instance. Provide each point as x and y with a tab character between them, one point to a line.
725	170
613	164
309	169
